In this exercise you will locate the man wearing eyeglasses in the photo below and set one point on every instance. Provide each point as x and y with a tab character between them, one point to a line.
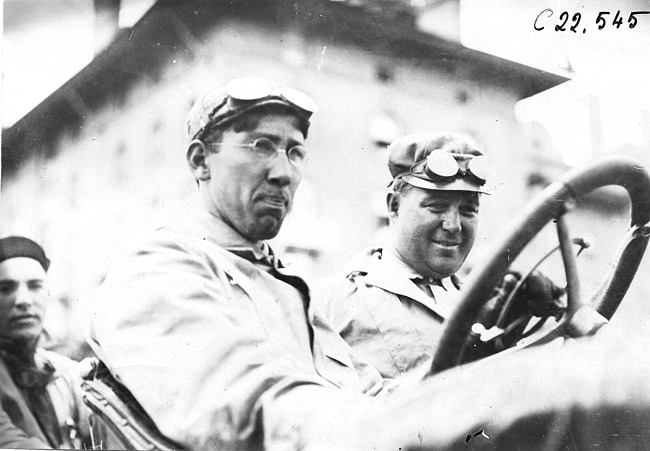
213	337
391	302
222	347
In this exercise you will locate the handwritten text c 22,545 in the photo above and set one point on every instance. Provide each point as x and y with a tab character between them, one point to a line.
603	19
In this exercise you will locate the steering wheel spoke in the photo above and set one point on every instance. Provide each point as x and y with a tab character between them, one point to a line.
574	300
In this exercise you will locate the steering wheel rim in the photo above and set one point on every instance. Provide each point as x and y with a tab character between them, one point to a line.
552	204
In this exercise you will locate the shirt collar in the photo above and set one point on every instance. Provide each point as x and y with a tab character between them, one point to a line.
261	252
389	258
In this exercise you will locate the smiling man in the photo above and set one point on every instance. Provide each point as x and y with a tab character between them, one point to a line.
392	301
39	389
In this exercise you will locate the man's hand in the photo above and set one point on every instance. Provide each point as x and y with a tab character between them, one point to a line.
537	296
492	308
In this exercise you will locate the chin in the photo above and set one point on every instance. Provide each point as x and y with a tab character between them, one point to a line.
267	228
26	337
445	270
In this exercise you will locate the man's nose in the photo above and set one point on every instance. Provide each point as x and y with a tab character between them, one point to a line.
281	171
24	298
451	221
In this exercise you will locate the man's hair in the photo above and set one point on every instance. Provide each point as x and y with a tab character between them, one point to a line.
249	121
400	186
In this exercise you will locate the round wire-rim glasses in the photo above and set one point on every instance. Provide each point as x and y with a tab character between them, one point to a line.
265	148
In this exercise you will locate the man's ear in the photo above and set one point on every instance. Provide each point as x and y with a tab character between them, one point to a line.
392	204
196	155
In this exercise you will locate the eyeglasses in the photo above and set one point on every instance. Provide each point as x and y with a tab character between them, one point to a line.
443	166
255	88
266	148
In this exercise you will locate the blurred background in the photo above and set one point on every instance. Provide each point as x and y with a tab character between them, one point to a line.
95	94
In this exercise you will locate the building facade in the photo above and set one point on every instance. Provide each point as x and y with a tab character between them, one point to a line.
102	161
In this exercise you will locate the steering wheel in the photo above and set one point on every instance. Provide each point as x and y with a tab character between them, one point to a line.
582	317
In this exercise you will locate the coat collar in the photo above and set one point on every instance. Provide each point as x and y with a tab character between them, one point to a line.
237	250
386	272
214	230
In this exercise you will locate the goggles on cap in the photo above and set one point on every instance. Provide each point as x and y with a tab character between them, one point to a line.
251	89
245	94
441	166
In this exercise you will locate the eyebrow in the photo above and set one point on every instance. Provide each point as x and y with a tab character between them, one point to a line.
15	282
436	199
433	200
277	138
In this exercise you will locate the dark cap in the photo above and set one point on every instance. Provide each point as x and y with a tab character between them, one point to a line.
222	106
445	161
18	246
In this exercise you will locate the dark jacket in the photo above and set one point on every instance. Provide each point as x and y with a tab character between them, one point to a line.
11	436
65	394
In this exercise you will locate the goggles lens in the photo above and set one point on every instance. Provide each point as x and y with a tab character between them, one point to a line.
256	88
481	167
299	98
442	164
249	88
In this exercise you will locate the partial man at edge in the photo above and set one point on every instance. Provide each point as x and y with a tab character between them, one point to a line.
224	350
39	389
390	302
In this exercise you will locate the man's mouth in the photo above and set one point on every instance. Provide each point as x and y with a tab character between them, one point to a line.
274	200
447	244
24	318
